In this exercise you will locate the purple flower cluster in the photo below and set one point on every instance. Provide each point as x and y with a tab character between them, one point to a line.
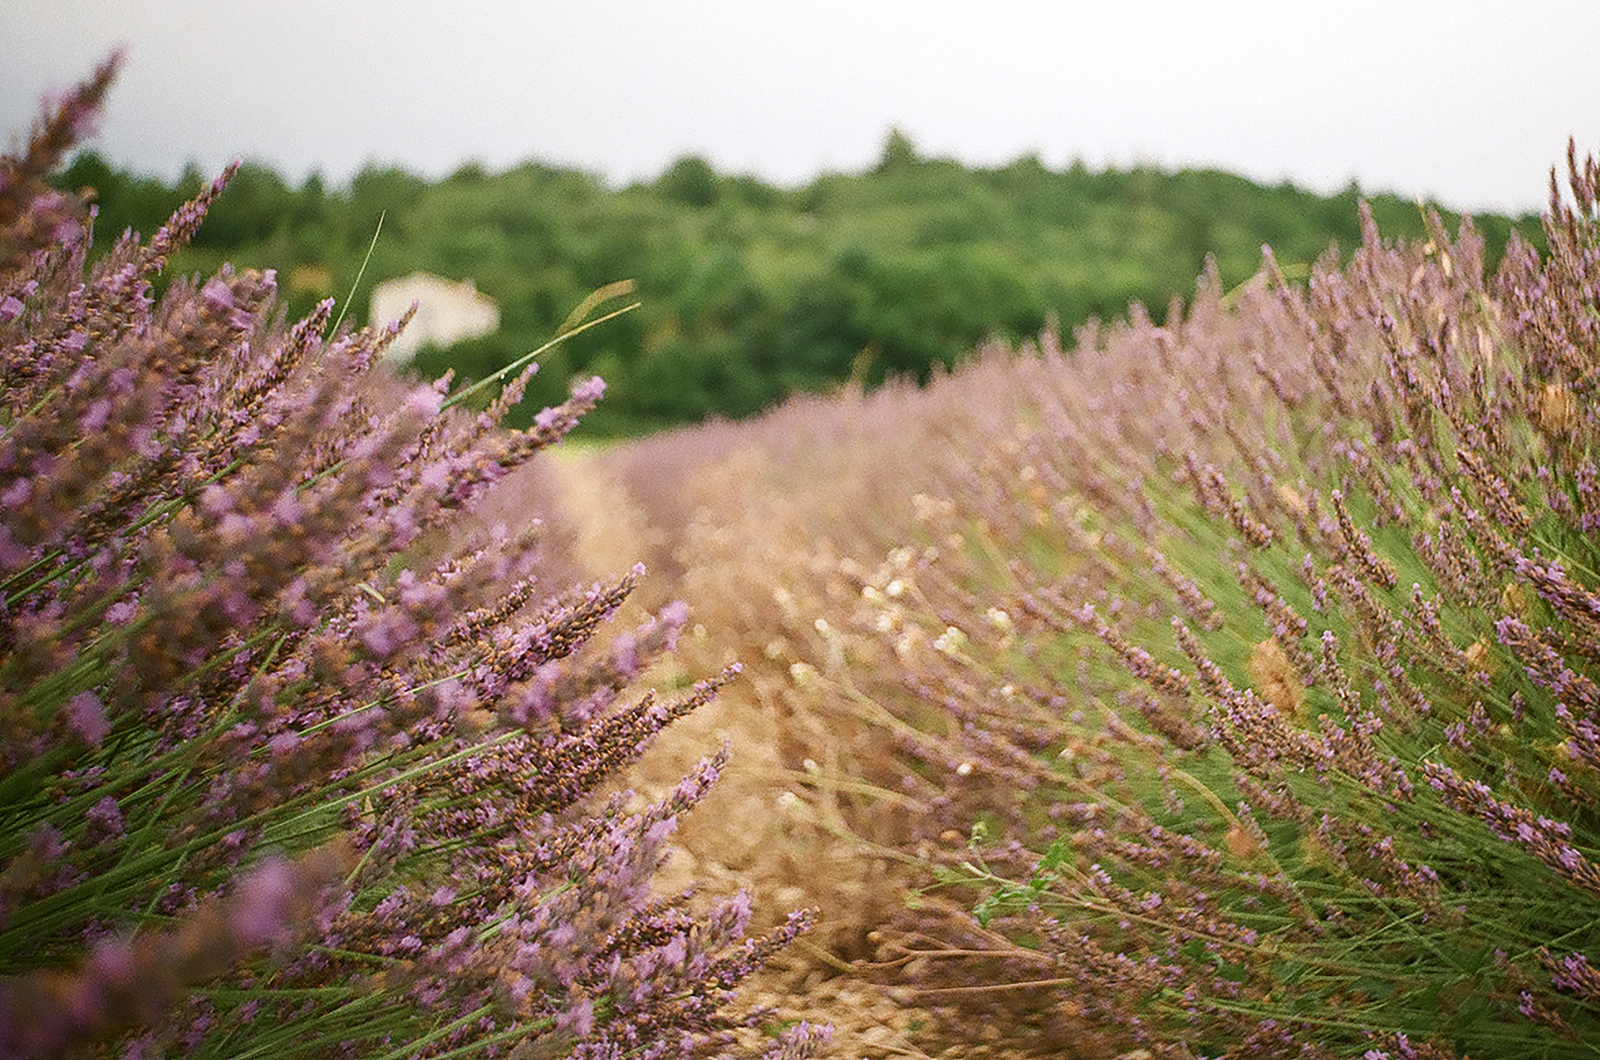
296	747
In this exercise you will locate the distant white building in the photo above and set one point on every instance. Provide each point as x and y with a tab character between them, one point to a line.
447	311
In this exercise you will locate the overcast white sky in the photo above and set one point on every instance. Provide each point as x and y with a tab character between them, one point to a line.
1469	101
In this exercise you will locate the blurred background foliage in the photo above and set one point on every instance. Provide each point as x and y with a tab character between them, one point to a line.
751	291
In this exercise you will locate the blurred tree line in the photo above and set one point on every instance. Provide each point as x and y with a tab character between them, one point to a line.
752	291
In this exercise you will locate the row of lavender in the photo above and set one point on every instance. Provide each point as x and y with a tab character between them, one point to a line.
298	756
1232	680
1296	685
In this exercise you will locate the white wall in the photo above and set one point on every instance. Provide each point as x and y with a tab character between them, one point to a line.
446	311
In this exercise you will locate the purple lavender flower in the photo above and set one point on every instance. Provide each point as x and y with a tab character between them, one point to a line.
262	661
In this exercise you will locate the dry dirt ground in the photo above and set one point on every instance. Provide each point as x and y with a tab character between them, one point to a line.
753	832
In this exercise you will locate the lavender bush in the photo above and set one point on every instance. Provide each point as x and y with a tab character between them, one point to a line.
297	756
1265	655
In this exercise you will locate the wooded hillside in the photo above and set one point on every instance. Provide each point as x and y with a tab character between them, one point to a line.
749	291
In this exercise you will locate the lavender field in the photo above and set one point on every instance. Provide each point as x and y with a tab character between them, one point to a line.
1222	687
1217	688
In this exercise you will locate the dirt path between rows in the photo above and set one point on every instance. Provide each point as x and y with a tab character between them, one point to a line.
751	832
754	831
